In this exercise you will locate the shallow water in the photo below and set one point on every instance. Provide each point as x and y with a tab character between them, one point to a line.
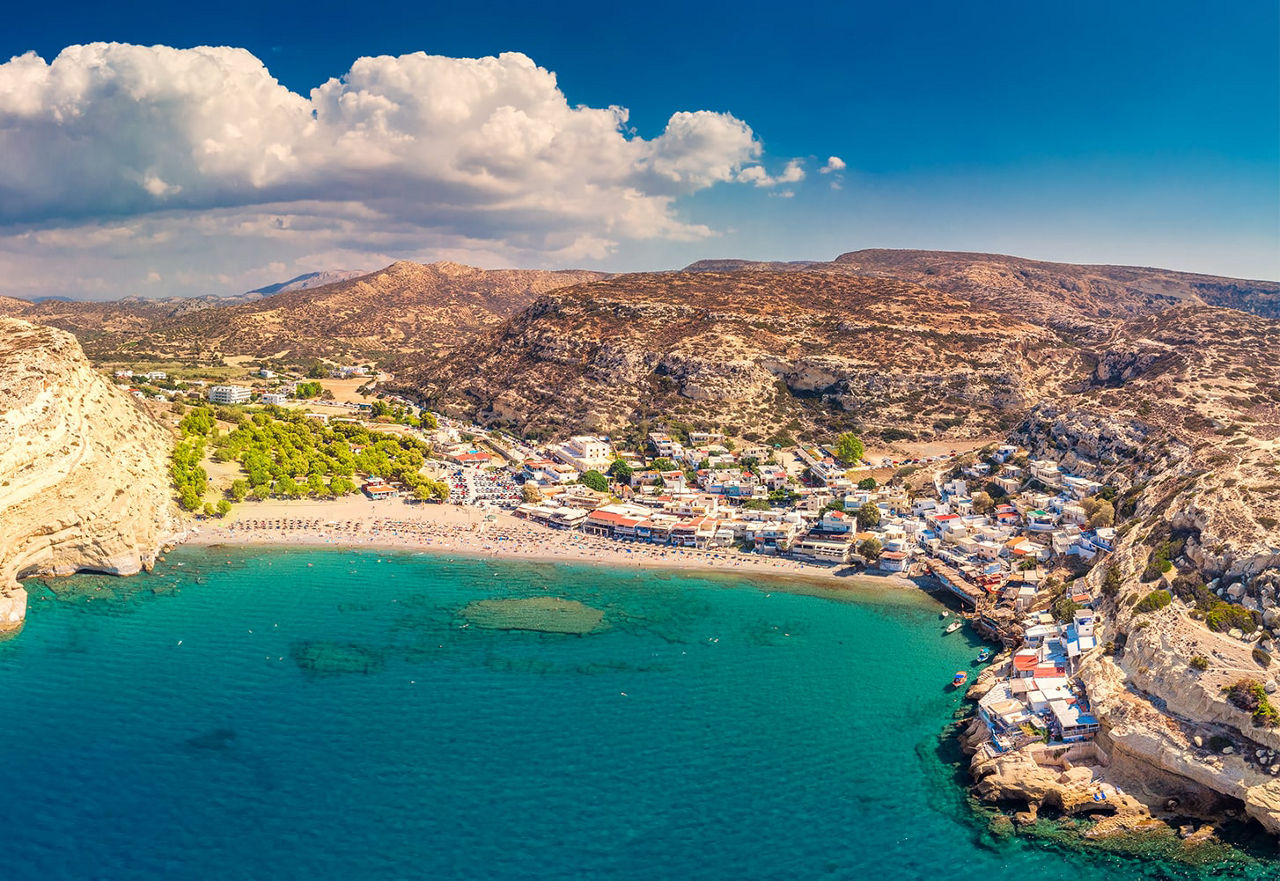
328	714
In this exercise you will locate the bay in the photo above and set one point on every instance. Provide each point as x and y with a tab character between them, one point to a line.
249	713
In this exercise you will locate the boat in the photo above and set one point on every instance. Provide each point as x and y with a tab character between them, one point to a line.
945	613
959	679
953	626
984	656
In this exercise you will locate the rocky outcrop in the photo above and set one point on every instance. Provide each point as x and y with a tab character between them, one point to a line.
753	350
84	481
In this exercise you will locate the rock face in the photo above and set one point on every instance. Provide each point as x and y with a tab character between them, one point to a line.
754	350
1182	416
84	478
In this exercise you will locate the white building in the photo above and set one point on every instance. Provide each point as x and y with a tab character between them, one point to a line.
157	374
274	398
229	394
585	452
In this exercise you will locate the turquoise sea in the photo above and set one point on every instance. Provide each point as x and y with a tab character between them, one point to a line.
325	714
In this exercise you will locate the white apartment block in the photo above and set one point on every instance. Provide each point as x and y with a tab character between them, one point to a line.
229	394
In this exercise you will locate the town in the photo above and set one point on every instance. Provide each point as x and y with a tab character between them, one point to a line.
1004	535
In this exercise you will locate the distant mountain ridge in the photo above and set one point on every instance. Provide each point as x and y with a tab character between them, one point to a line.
309	280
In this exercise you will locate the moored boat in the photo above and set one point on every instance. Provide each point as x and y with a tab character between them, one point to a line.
959	679
953	626
984	656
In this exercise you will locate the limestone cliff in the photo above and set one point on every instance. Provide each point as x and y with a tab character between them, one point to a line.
84	478
1183	417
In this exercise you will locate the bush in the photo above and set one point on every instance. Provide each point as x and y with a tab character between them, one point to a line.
1111	581
1154	601
1261	657
1250	696
849	448
1064	608
1224	616
1199	662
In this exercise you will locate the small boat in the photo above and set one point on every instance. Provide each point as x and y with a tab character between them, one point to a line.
959	679
953	626
984	656
945	613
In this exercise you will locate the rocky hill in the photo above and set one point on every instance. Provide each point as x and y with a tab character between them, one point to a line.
758	352
1063	295
84	479
1182	413
407	307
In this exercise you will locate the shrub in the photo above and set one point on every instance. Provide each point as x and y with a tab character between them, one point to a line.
1250	696
1154	601
1063	609
1199	662
1112	581
1261	657
1224	616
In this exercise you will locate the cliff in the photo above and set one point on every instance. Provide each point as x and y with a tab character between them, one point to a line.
84	480
1182	415
754	352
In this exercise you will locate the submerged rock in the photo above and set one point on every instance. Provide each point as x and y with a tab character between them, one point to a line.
335	658
541	614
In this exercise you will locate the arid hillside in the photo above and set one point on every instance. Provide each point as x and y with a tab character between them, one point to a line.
1182	415
407	307
761	352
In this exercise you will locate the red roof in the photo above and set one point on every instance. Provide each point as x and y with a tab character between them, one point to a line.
1025	661
944	517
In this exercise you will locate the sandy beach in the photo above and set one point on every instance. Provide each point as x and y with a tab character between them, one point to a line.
396	525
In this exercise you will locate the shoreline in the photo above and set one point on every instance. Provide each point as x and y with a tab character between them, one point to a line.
358	523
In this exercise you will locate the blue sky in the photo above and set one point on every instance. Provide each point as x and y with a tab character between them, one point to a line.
1144	133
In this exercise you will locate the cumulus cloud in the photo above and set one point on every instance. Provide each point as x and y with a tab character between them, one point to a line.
834	163
792	173
470	154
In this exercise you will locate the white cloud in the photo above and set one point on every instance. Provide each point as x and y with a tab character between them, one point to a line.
834	163
792	173
119	149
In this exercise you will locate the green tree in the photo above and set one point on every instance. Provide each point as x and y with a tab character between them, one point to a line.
238	490
756	505
223	507
849	448
663	464
595	480
868	516
870	549
983	503
342	486
867	483
620	471
1099	511
317	371
531	493
288	488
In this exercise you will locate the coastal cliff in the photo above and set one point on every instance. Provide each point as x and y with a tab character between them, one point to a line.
1183	418
84	481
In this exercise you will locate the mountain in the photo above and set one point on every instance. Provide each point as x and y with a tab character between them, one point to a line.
928	343
84	471
309	280
762	352
406	307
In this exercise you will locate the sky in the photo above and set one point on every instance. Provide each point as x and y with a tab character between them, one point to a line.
159	149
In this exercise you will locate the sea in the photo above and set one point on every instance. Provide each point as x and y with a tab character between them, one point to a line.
245	713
